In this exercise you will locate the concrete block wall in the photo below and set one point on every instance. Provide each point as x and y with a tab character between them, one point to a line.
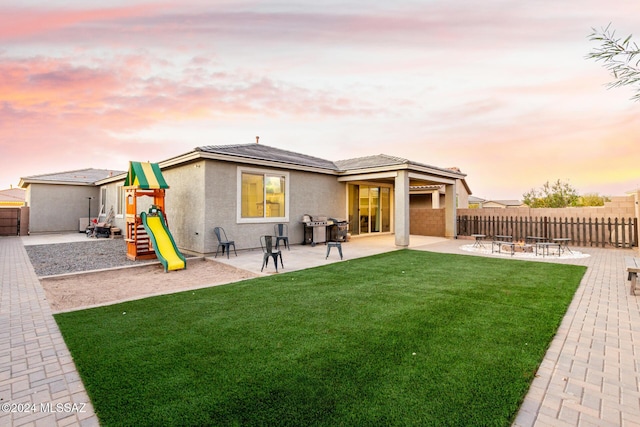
427	222
618	207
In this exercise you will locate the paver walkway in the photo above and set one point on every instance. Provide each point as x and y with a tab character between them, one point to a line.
590	375
39	384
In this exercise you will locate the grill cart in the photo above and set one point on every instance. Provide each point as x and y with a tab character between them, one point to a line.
315	229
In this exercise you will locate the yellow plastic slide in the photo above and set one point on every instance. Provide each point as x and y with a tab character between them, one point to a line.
163	243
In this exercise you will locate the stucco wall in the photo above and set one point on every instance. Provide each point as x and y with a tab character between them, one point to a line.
185	205
310	193
58	208
463	196
111	201
203	195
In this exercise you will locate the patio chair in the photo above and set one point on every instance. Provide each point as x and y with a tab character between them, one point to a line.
224	242
281	233
338	235
268	251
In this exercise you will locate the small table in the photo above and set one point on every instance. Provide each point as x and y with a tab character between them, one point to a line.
544	246
564	243
535	239
500	244
479	243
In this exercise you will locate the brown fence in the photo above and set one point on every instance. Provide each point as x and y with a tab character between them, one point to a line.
615	232
9	221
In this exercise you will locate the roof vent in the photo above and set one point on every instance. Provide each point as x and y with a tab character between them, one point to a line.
257	140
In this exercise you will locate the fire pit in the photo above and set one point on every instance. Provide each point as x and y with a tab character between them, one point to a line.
521	246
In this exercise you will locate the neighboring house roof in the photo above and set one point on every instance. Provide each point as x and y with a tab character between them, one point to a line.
75	177
12	197
508	203
473	199
145	175
266	153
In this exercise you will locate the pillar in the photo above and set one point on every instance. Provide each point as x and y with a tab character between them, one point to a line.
401	206
435	199
450	210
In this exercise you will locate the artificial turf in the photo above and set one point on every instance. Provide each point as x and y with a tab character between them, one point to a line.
401	338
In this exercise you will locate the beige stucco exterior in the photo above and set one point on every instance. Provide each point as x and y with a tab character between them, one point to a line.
203	195
59	207
205	187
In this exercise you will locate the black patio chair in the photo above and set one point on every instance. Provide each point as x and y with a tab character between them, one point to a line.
269	252
224	242
338	235
281	233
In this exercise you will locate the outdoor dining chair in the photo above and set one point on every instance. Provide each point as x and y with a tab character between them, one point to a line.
224	242
269	252
338	235
281	233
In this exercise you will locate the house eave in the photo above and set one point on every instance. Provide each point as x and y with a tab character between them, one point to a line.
24	183
196	155
115	178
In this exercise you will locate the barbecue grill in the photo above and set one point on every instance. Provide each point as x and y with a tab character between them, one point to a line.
315	229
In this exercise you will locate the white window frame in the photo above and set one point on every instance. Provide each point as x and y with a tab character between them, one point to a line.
120	207
265	173
103	201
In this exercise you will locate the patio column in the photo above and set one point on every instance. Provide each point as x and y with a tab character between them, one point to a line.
401	206
450	210
435	199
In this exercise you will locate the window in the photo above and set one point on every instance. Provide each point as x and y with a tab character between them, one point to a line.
120	201
103	201
263	196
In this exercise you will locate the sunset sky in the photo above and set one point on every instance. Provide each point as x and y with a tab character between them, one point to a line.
500	89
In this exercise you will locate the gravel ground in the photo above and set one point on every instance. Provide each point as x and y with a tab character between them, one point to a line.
95	254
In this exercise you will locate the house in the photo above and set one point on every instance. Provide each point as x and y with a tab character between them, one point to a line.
502	204
12	197
13	213
249	188
475	202
58	201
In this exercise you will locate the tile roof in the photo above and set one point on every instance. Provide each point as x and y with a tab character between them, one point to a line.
12	195
382	160
80	176
370	162
264	152
505	202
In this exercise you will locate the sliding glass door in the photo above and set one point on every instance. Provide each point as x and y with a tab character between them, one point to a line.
369	209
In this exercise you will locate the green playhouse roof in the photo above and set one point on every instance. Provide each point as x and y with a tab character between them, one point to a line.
145	175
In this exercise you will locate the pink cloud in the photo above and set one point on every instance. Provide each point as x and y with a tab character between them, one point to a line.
443	25
25	22
65	111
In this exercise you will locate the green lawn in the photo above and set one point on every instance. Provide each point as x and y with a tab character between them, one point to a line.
401	338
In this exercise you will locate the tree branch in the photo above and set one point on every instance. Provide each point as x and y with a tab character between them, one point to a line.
620	57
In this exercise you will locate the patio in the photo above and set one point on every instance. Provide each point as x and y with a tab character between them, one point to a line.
307	256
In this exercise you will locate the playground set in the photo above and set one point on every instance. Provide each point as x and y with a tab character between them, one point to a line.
147	233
